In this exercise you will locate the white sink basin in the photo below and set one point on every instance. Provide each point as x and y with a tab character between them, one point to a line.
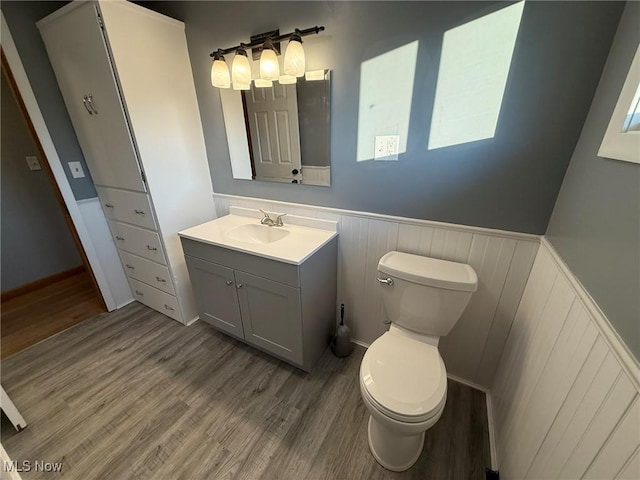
259	234
241	231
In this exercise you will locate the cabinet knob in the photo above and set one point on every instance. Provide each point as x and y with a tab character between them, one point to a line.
139	212
118	237
295	171
161	280
239	285
149	247
229	282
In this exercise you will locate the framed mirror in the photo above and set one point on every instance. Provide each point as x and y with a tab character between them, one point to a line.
280	133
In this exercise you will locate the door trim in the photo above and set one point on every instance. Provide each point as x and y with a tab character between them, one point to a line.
32	109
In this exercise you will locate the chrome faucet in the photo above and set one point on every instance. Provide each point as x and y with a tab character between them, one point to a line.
270	222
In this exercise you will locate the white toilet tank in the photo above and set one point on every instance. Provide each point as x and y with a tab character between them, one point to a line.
423	294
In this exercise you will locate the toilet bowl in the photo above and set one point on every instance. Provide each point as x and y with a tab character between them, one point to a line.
403	380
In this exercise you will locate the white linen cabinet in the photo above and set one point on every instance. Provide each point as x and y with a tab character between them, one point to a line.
126	80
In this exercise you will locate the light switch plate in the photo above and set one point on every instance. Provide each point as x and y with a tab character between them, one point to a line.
33	163
386	147
76	170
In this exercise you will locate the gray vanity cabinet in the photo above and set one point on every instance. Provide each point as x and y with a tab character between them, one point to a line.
283	309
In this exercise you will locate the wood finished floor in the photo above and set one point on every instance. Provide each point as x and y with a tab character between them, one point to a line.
34	316
134	395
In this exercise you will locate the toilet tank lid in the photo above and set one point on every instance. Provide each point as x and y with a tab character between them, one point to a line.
429	271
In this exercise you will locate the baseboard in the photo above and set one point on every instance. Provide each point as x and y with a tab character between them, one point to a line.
43	282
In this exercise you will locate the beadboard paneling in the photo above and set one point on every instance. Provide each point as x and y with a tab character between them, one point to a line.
502	260
565	396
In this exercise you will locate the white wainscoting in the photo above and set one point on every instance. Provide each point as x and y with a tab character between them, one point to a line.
502	260
566	393
96	224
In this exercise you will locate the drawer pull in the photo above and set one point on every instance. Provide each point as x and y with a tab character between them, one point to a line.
108	205
239	285
131	267
229	282
149	247
139	212
118	237
168	307
138	292
161	280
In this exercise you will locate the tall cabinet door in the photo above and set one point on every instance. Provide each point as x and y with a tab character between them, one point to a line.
271	315
214	288
78	54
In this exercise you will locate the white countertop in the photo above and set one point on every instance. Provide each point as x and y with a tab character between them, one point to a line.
306	235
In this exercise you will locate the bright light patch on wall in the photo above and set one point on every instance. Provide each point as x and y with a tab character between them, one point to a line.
474	66
386	90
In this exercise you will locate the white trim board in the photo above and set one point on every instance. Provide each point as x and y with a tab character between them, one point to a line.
384	217
501	259
33	110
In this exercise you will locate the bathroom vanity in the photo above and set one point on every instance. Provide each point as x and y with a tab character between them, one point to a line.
271	287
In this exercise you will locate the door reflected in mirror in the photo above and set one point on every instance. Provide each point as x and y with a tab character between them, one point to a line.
280	133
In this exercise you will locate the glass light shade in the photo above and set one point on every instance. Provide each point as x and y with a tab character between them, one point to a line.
294	59
220	74
260	83
287	79
241	72
269	68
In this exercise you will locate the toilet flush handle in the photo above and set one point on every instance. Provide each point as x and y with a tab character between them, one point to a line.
386	281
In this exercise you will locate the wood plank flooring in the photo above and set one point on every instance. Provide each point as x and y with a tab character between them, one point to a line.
134	395
39	314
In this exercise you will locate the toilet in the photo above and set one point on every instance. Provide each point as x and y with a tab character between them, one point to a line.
403	380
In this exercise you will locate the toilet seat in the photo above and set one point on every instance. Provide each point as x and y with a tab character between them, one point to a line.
404	378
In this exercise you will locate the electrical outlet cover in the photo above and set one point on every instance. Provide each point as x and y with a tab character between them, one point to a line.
76	169
33	163
386	147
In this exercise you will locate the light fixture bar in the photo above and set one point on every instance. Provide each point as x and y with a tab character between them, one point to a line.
279	38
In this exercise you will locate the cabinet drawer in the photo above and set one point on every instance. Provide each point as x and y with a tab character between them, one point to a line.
260	266
147	271
136	240
154	298
129	207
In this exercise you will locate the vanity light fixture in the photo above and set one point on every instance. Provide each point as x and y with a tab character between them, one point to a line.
268	46
260	83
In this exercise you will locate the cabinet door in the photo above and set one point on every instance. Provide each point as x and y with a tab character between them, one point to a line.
271	315
214	287
78	54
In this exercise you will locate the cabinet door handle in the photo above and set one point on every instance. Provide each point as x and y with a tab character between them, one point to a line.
229	282
161	280
149	247
92	105
108	205
168	307
139	212
138	292
118	237
239	285
84	102
130	267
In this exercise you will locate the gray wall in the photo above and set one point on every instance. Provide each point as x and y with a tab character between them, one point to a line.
595	225
510	182
21	18
35	240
